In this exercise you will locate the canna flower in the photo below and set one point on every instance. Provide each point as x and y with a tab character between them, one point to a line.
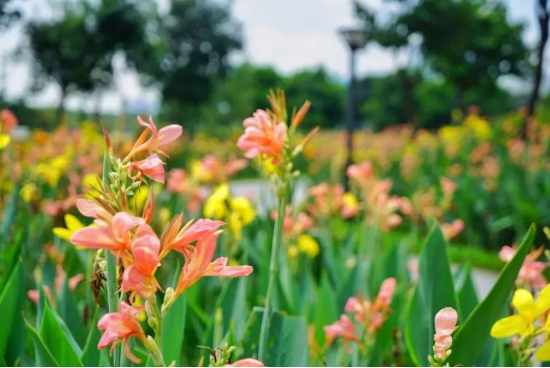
140	275
120	327
445	324
248	362
152	167
198	264
350	205
308	245
528	311
263	135
242	214
343	328
91	209
452	230
8	121
115	237
181	240
73	224
360	172
177	181
158	139
531	272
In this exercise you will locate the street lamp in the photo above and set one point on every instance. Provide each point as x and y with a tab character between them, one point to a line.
356	38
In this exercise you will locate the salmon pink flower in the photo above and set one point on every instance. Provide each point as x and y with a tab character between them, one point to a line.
249	362
452	230
152	167
140	275
91	209
190	233
121	326
158	139
8	121
262	135
115	237
531	273
177	181
445	324
343	328
360	172
198	264
385	295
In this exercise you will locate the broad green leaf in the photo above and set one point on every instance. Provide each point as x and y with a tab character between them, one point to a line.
466	292
287	342
90	354
248	346
433	292
68	310
8	307
326	311
173	332
44	357
469	340
58	340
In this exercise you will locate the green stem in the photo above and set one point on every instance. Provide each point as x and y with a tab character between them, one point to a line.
112	282
273	269
112	286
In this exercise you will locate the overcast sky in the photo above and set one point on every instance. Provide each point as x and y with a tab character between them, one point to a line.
287	34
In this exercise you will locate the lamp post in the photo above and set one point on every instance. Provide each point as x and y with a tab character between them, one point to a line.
356	38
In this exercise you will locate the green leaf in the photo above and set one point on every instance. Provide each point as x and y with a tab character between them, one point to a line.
326	311
58	340
91	355
466	292
248	346
287	342
433	292
469	340
68	310
8	308
44	357
173	332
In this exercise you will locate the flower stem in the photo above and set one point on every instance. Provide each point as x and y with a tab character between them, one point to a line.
112	282
273	268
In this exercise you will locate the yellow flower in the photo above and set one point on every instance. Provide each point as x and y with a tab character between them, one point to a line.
73	224
480	127
4	140
164	215
242	214
28	192
543	354
197	171
91	184
350	201
292	252
308	245
216	204
528	312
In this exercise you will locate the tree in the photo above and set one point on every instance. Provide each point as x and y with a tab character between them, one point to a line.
197	38
327	97
543	15
468	42
77	50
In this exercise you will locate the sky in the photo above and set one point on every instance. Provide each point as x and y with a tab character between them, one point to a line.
289	35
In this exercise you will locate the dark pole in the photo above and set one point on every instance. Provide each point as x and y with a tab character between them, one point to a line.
350	116
543	14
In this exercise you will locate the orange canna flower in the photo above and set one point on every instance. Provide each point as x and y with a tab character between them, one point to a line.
262	135
158	139
121	326
140	275
248	362
152	167
115	237
198	264
445	323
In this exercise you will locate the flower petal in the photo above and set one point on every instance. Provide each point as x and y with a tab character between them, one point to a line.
509	326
